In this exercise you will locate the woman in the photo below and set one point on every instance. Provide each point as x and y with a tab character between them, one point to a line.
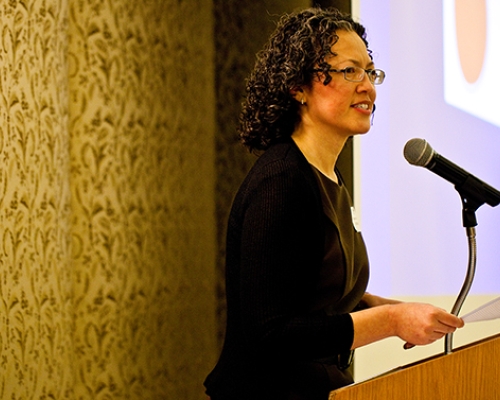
296	267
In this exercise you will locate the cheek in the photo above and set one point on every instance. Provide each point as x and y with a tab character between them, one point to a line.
331	100
337	101
330	94
329	110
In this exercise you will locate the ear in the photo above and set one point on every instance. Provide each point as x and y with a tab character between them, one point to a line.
298	94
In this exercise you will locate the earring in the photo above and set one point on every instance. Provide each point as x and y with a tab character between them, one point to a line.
302	101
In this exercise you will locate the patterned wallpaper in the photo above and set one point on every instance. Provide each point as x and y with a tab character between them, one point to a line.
107	214
35	257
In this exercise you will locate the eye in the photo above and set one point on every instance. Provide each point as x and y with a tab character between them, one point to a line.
350	70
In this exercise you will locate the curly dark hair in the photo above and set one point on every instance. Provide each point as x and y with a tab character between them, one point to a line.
301	43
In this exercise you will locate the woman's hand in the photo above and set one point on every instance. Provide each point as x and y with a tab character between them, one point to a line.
421	324
415	323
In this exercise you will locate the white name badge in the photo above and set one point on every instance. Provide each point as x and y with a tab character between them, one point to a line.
355	222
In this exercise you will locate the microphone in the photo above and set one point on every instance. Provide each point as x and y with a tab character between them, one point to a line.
419	152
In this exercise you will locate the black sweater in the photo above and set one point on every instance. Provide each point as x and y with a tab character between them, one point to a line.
275	250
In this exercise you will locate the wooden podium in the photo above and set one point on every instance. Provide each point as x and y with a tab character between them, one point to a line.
470	372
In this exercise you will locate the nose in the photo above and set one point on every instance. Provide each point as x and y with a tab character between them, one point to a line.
366	85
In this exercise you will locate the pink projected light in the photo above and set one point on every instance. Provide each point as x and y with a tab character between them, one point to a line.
471	57
470	30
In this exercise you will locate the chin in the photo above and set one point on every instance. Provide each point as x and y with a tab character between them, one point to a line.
362	131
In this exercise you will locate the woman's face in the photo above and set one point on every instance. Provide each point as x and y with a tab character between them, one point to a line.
341	107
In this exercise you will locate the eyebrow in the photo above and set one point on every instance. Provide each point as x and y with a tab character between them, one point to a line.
356	63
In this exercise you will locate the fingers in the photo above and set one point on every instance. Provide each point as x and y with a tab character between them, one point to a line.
447	318
444	329
427	325
451	320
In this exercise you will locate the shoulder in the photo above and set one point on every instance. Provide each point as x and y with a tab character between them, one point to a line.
282	157
282	172
286	150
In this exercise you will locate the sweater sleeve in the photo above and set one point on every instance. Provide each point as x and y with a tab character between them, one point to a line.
282	243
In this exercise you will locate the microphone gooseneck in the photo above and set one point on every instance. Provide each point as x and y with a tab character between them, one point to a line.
473	192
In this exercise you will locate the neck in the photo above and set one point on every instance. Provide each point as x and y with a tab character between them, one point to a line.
322	151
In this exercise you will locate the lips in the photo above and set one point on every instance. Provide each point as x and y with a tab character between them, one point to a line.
362	106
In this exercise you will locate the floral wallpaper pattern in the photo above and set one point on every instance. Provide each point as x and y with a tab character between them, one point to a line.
35	279
107	220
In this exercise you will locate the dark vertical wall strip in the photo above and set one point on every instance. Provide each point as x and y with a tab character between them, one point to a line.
241	29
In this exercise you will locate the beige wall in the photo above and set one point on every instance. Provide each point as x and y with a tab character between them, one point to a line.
36	314
142	127
107	220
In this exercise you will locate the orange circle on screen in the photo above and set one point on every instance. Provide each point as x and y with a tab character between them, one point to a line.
470	16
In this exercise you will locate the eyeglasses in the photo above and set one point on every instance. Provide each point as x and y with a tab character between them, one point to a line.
357	74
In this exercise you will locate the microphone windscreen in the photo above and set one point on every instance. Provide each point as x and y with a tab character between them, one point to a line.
418	152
